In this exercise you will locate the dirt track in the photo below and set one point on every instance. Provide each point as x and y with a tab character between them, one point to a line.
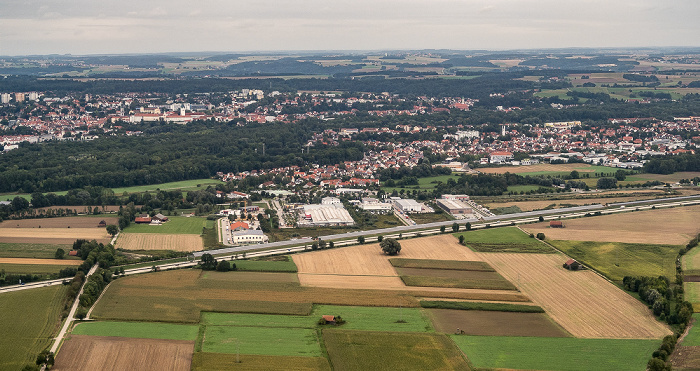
90	353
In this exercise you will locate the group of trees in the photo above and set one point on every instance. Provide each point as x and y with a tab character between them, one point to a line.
209	263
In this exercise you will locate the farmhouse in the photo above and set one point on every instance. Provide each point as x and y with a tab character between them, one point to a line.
142	219
101	224
328	320
556	224
160	217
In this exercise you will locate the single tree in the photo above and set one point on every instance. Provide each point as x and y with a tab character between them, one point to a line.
541	218
223	266
461	239
455	227
540	236
442	229
314	246
390	246
361	240
60	253
468	226
380	238
321	244
331	245
112	230
208	262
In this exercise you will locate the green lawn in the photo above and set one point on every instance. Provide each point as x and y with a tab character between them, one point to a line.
531	353
184	185
30	250
616	259
509	239
366	350
30	319
175	225
262	340
145	330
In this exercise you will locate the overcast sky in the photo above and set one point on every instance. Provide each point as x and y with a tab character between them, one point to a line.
138	26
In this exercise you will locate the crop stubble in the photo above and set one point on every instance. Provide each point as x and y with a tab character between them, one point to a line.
155	241
582	302
52	235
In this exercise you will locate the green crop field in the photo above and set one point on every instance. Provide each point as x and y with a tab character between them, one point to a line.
366	350
262	340
30	319
30	250
524	188
492	282
175	225
509	239
183	185
266	265
202	361
40	269
616	259
257	320
470	305
145	330
693	337
540	353
691	262
441	264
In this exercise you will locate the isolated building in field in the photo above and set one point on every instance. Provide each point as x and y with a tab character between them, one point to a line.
556	224
572	265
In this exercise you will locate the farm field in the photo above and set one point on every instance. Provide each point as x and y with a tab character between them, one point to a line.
202	361
174	225
157	241
365	350
548	169
542	204
441	264
674	226
492	323
692	294
61	222
454	279
144	330
526	353
59	236
686	356
508	239
33	268
595	309
691	262
31	250
278	341
184	185
30	261
82	352
616	259
278	264
36	316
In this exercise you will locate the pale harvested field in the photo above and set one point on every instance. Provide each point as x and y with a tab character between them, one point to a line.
369	259
666	226
541	204
158	241
89	353
39	261
62	222
582	302
61	236
581	168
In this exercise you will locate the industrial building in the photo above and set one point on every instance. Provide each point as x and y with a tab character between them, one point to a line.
407	205
325	216
372	205
454	206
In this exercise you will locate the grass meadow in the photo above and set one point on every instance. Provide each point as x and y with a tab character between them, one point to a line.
509	239
278	341
616	259
40	269
144	330
30	319
30	250
175	225
203	361
547	353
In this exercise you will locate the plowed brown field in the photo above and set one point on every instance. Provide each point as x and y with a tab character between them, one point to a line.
61	236
90	353
157	241
668	226
582	302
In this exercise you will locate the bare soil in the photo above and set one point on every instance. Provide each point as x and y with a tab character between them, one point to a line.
158	241
686	358
674	226
89	353
583	303
490	323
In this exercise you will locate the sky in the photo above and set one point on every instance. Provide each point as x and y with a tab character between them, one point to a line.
155	26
